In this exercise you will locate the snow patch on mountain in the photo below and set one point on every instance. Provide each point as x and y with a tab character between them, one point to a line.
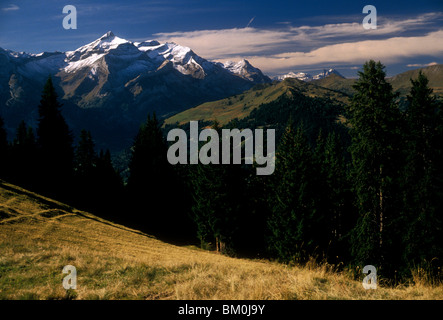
89	61
308	77
245	70
130	57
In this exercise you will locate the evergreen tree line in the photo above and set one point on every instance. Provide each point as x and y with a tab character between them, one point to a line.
365	192
46	161
377	201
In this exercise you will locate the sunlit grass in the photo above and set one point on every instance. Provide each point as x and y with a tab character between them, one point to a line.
115	262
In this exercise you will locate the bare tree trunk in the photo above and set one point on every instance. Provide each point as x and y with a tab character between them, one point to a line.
222	247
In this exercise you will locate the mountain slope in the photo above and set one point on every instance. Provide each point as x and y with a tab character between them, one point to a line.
245	70
111	84
39	236
400	82
241	105
336	82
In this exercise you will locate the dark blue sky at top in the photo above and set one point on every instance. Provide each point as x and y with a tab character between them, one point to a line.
36	26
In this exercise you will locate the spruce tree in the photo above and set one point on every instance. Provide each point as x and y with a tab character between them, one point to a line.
85	155
335	196
54	140
148	161
295	220
85	175
151	180
217	190
210	199
375	129
423	178
98	187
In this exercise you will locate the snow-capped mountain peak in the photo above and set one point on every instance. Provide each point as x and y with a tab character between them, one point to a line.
107	35
308	77
244	69
299	75
237	67
126	59
326	73
105	43
115	83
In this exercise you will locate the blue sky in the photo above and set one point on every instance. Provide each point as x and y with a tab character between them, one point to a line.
283	36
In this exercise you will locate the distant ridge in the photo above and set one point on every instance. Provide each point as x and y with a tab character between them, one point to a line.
308	77
400	82
332	86
241	105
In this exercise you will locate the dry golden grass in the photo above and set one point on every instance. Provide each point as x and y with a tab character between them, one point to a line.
38	237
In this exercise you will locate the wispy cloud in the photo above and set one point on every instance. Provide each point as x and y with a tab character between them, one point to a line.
391	50
419	65
11	7
287	47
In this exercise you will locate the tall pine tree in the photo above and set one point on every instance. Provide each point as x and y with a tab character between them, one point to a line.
55	140
217	191
375	129
152	184
335	194
423	178
295	223
98	187
85	179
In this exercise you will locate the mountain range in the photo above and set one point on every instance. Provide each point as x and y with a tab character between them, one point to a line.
308	77
332	86
111	84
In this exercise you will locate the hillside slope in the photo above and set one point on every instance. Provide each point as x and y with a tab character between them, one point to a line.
400	82
241	105
39	236
335	82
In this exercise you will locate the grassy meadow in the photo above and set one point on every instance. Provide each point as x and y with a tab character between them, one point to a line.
39	236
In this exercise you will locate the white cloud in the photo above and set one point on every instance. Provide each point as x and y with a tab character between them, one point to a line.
389	50
418	65
11	7
277	49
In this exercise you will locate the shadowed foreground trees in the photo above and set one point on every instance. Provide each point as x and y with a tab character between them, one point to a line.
155	192
97	186
55	153
423	178
378	202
